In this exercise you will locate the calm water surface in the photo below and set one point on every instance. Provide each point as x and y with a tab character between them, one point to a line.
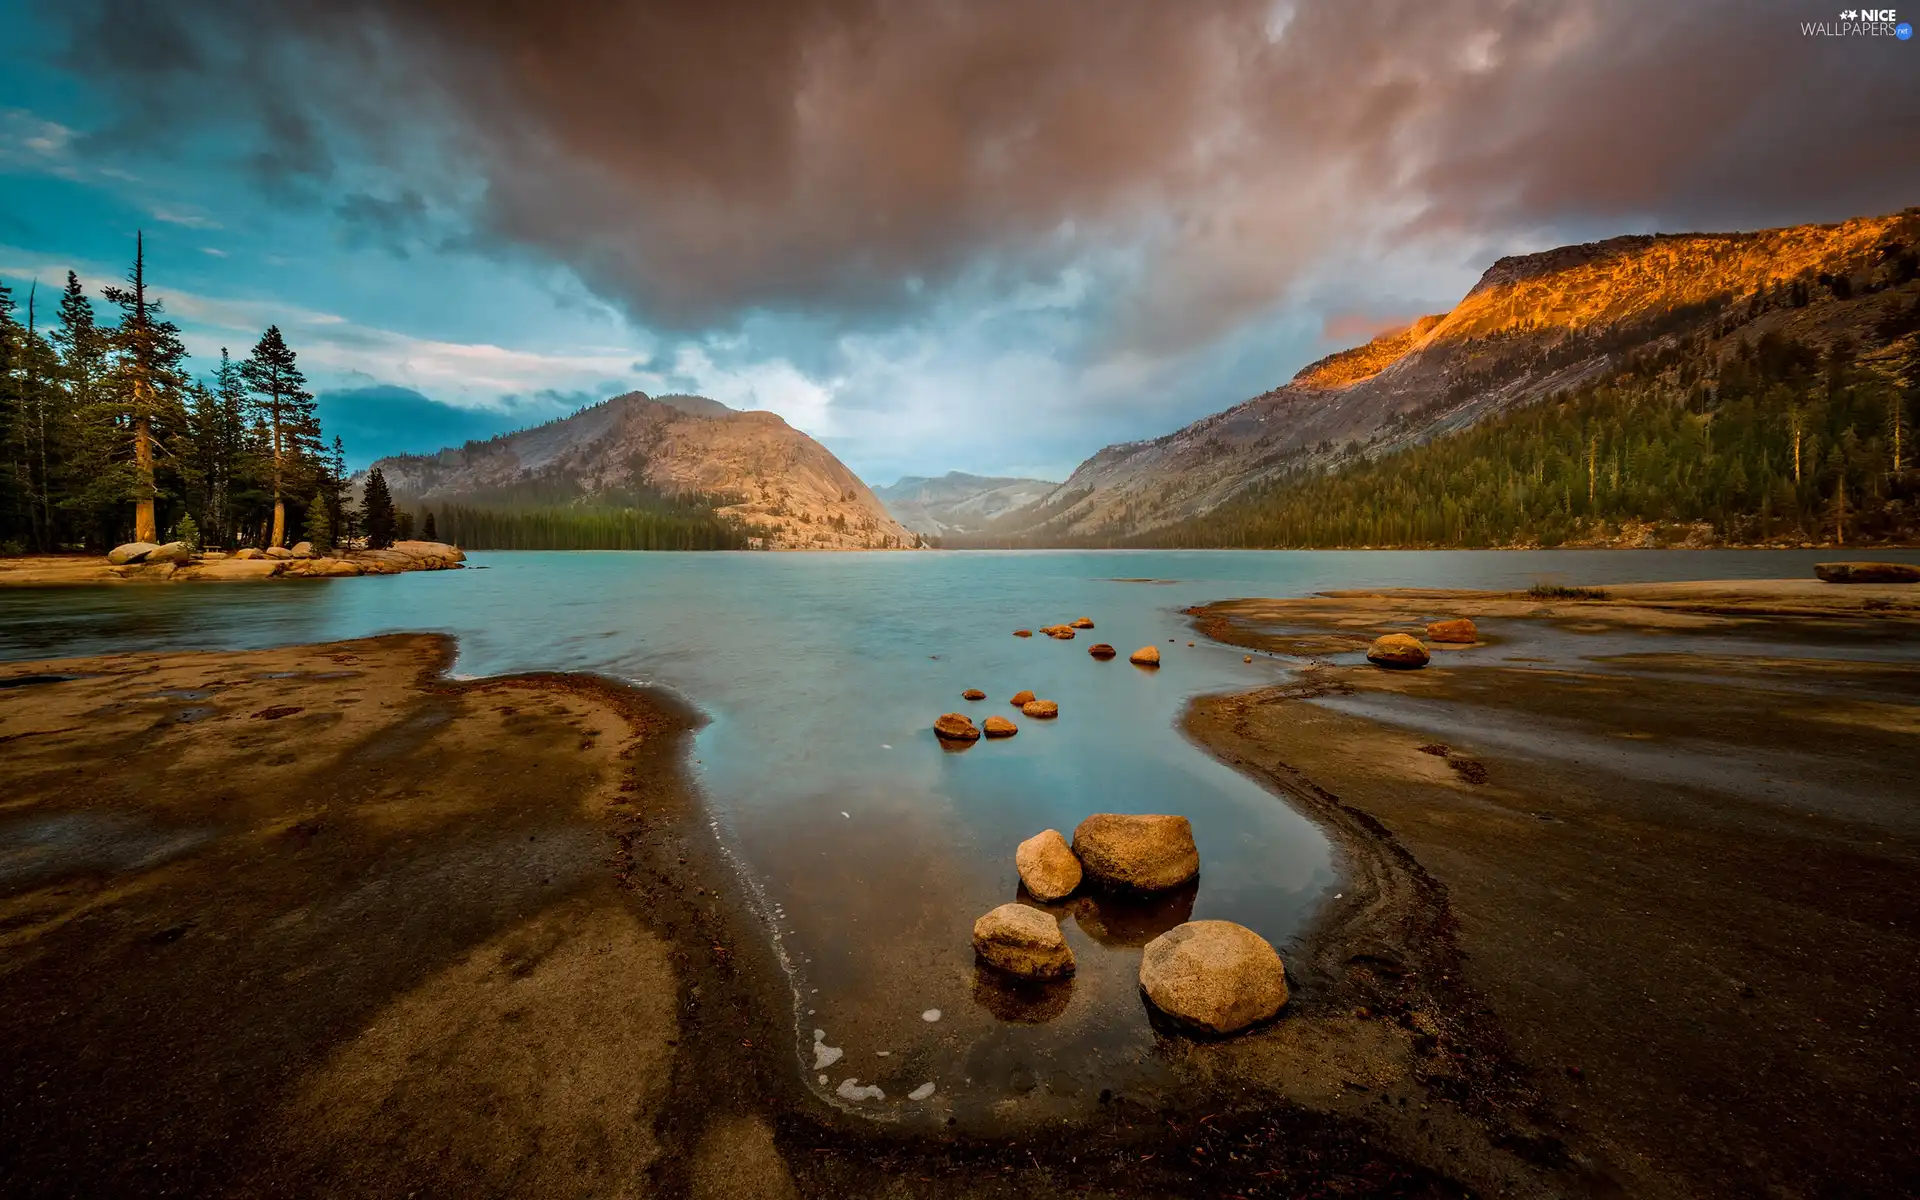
868	849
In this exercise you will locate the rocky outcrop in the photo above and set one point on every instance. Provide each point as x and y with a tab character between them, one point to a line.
130	552
1043	710
1867	572
998	727
1214	976
1048	869
1458	631
1144	852
955	727
1145	656
1023	941
1399	651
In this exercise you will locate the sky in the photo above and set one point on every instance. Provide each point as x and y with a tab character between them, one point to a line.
980	235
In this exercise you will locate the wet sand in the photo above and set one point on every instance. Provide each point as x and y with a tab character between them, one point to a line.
317	920
1647	863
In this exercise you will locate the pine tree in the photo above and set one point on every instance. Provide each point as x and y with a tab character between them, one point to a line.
429	532
377	512
144	384
285	407
14	503
319	525
403	525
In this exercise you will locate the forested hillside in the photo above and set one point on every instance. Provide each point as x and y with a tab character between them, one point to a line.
1760	437
105	438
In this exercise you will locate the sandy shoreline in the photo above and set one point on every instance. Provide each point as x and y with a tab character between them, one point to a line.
1656	894
331	944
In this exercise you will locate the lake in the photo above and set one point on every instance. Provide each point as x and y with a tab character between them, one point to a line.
867	848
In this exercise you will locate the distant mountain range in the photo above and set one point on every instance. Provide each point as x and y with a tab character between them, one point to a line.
678	460
1535	326
958	503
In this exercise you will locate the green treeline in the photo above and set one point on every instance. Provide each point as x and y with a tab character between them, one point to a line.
105	438
1775	441
572	528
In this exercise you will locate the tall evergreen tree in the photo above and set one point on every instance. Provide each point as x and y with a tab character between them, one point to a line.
144	385
42	409
285	407
377	513
429	532
14	505
319	528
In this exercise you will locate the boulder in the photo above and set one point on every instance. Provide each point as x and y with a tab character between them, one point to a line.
1213	975
1041	709
338	567
1459	631
1081	623
247	553
1023	633
1101	650
973	694
998	727
1401	651
1843	572
130	552
302	549
278	552
1021	699
1047	866
955	727
1145	852
1146	656
172	552
1023	941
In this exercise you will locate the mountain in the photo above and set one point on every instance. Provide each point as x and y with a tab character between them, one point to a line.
957	502
678	459
1535	326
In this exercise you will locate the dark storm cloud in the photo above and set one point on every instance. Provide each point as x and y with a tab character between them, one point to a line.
698	160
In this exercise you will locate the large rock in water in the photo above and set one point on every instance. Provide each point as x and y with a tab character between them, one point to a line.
172	552
973	694
1081	623
1867	572
1459	631
1399	650
998	727
1021	698
955	727
130	552
1213	975
1101	650
1023	941
1146	656
1146	852
1047	866
1041	710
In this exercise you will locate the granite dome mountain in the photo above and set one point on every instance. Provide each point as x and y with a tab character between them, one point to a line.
686	453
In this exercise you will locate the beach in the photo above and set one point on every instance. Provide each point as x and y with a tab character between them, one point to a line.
1609	920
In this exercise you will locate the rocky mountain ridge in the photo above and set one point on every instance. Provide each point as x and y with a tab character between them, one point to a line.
958	502
1533	325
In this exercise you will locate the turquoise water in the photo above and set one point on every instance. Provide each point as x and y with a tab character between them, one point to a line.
866	848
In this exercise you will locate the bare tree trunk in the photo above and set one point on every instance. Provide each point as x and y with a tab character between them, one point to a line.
144	529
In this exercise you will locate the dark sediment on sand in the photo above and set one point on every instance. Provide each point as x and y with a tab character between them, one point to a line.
318	920
1648	862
